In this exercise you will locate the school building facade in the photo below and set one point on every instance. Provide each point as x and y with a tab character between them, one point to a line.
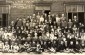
12	9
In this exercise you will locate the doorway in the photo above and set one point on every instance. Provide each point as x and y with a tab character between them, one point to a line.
70	16
81	17
47	12
42	9
4	20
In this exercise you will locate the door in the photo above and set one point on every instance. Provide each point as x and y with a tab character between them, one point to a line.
42	8
81	17
38	11
70	16
4	20
47	12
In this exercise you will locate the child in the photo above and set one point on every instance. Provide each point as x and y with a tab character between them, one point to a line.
77	47
26	47
33	46
61	46
6	47
55	45
52	36
82	47
70	24
38	48
71	47
15	48
1	46
11	47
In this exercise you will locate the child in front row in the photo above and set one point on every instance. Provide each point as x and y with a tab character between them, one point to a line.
6	47
1	46
15	48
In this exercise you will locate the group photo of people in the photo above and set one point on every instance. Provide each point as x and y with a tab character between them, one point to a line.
40	33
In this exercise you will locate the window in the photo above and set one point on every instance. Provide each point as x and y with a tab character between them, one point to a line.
75	8
68	8
4	11
80	8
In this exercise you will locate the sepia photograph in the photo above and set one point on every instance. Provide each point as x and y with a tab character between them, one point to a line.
42	27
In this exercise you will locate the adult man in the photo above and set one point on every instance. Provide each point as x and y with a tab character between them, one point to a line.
57	18
38	17
41	19
19	23
75	20
70	24
63	18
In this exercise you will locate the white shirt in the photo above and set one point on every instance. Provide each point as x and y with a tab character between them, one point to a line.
57	19
1	45
10	35
16	47
47	34
6	47
1	32
41	19
51	36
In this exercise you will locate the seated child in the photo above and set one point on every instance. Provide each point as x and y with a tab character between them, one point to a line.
26	47
6	47
33	46
38	48
61	46
1	46
77	47
15	48
71	47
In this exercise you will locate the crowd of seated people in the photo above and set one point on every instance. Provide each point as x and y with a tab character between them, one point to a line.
43	33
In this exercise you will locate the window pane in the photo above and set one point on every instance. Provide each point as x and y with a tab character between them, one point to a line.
68	8
73	8
80	8
5	10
